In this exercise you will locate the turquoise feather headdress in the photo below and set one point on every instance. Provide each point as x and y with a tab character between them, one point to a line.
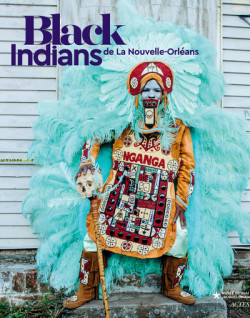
95	104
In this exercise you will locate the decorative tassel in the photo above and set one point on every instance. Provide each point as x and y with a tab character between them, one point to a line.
164	97
165	100
136	101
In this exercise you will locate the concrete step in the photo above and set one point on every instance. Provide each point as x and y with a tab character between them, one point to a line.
134	284
136	305
238	281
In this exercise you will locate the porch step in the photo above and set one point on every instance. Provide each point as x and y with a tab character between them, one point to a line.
136	305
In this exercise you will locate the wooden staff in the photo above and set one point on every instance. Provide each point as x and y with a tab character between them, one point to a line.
94	211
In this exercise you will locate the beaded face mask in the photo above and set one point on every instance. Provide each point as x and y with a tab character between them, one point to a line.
151	96
153	80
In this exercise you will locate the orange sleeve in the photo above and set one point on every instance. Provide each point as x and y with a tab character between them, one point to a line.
90	152
186	174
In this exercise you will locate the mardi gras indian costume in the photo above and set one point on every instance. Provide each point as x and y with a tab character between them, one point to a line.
147	161
138	209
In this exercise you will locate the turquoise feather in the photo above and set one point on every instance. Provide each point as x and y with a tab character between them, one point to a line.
95	105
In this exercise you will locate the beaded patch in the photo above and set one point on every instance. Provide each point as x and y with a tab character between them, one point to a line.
84	273
184	294
179	274
73	298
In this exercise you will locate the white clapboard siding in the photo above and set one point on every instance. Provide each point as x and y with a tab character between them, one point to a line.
15	156
5	59
13	207
26	96
236	56
245	113
239	101
15	145
17	10
16	220
236	33
20	243
16	133
14	183
236	8
237	90
233	21
21	88
240	79
236	44
15	35
16	232
5	46
21	121
236	68
16	195
33	3
28	71
18	108
19	23
246	196
27	84
18	170
245	206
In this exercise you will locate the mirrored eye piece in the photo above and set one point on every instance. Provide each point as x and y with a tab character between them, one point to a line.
149	103
154	103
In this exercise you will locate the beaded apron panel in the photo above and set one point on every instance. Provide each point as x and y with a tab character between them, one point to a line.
135	216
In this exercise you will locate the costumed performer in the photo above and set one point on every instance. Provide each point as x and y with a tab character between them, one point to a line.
141	214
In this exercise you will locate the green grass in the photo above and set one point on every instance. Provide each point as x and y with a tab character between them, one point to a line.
49	306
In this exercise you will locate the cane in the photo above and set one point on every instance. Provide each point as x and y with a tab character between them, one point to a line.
94	211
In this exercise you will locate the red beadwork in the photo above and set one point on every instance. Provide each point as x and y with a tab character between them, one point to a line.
142	69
